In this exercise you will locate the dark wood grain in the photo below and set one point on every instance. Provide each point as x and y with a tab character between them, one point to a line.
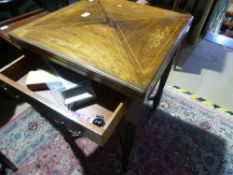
118	42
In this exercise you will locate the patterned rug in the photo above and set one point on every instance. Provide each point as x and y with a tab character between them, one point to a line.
183	137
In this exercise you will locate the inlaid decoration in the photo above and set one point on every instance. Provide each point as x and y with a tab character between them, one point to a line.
114	39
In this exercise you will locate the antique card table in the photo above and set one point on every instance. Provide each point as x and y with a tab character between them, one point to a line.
127	48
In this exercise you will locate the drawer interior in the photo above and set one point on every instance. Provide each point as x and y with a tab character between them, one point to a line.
108	103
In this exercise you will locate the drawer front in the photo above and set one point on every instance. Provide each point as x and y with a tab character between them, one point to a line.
108	104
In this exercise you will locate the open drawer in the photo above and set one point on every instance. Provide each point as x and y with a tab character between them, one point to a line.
108	103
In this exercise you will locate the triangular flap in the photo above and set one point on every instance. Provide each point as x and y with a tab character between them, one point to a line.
122	10
86	43
148	41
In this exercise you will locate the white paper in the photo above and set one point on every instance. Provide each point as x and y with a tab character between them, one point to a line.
79	97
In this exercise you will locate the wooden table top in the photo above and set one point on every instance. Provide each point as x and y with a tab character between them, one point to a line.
116	42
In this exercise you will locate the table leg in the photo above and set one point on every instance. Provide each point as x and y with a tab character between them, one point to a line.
163	80
126	135
129	131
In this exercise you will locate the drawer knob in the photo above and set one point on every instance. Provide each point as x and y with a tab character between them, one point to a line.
74	129
99	121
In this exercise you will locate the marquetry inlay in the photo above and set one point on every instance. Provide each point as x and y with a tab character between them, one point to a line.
115	39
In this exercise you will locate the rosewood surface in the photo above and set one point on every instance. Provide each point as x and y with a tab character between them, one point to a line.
116	42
